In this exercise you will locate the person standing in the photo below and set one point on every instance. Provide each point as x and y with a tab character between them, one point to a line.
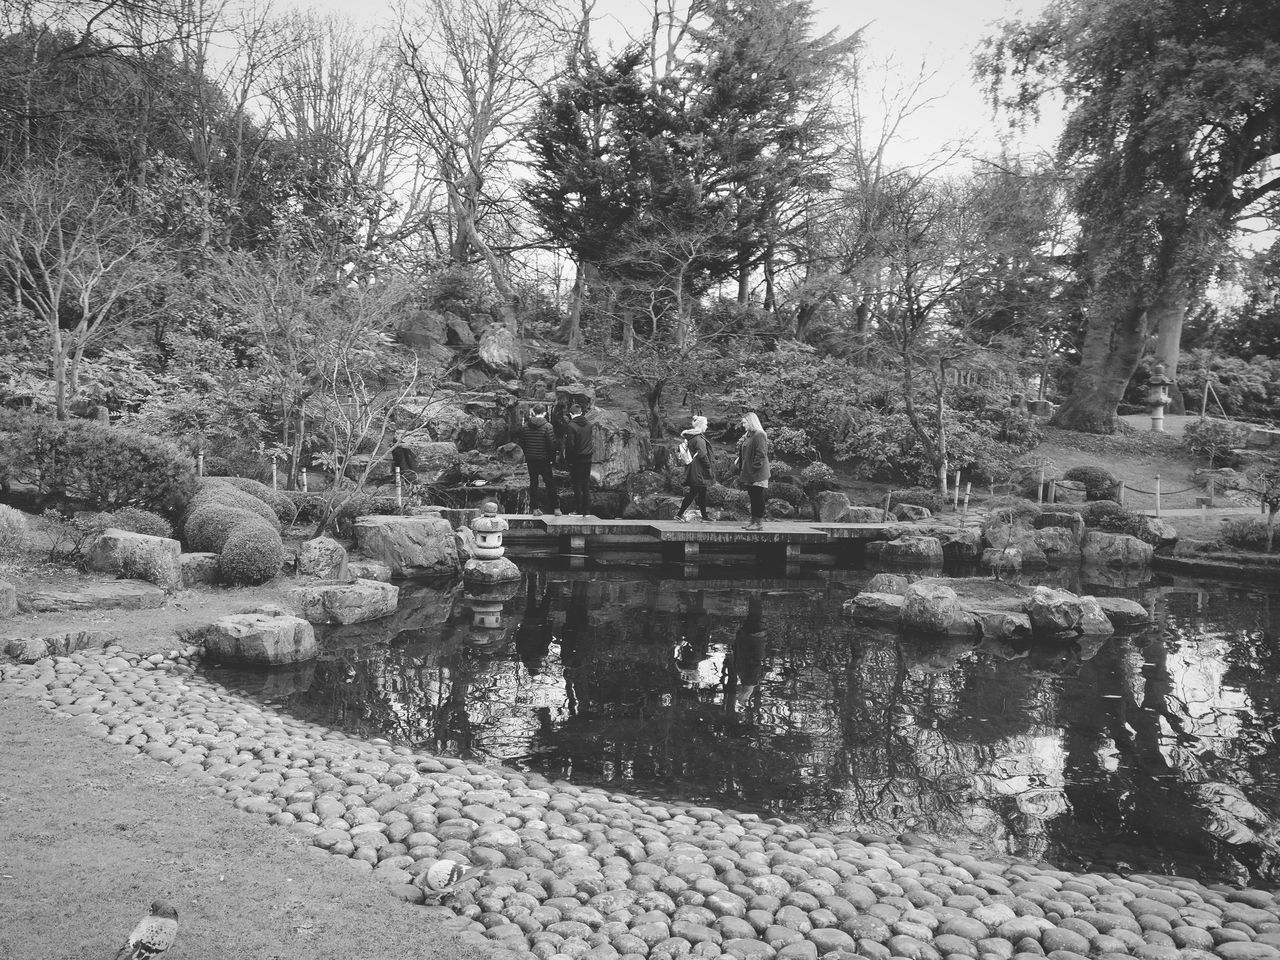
579	448
538	441
753	467
697	472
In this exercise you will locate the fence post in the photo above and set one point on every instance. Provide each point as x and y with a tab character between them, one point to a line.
1120	493
955	494
273	472
1157	494
887	498
303	473
965	512
200	462
1040	487
1211	491
399	491
1053	492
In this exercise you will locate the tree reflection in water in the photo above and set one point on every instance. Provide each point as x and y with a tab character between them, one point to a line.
1155	751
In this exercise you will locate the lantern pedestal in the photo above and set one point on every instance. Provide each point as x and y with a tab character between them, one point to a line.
489	565
1158	396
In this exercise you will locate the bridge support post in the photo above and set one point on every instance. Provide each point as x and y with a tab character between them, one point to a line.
691	551
577	551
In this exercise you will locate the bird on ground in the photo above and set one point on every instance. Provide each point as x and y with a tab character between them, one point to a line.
153	935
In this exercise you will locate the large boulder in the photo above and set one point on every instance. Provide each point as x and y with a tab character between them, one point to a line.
1004	624
1123	613
8	599
369	570
1004	562
894	583
500	352
1094	622
408	545
458	332
114	595
31	649
567	372
1116	550
961	544
920	551
323	558
1057	543
864	515
500	570
932	607
1159	532
422	329
1062	519
621	448
830	506
872	607
199	569
1055	612
136	556
353	602
910	511
260	638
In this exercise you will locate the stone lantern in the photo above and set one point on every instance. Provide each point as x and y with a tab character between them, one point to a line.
1158	397
489	565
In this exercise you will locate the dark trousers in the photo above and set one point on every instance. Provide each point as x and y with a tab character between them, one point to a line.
580	475
541	470
756	493
695	493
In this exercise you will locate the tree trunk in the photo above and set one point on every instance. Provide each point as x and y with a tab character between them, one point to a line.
941	462
1112	348
653	397
571	328
58	360
1168	313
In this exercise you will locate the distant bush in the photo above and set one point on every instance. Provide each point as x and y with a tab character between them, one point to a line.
818	476
920	497
1017	508
1099	484
14	533
1215	441
137	520
107	467
253	554
1246	533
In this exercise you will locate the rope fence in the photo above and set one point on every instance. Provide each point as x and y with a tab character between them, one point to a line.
1049	488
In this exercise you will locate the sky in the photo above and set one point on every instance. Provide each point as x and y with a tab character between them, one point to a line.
938	35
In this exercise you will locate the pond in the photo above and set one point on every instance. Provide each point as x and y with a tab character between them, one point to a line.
1149	752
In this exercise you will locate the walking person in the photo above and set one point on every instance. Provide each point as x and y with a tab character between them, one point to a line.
753	467
538	441
579	448
697	471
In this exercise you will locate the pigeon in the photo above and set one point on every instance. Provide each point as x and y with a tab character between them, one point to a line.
153	935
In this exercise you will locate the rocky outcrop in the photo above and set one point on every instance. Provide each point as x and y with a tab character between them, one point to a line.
1115	550
930	606
369	570
1055	612
323	558
408	545
354	602
422	329
870	607
31	649
260	638
864	515
1062	519
830	506
199	569
621	448
112	595
1057	543
136	556
911	512
499	351
1158	532
499	570
893	583
961	544
1123	613
917	551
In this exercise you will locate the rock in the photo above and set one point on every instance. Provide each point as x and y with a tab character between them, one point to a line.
1123	613
1057	542
1062	519
324	558
511	453
894	583
260	638
925	551
1004	624
369	570
1004	561
500	352
961	544
1055	612
645	482
458	332
199	569
435	455
830	506
31	649
465	539
474	378
113	595
423	328
8	599
779	510
652	507
1159	532
567	372
931	607
621	448
408	545
136	556
910	511
864	515
1116	550
343	602
1094	623
500	570
875	607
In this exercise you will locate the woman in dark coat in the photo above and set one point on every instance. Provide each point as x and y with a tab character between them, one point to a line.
753	467
697	473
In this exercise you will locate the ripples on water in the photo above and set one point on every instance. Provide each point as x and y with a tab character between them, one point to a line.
1154	751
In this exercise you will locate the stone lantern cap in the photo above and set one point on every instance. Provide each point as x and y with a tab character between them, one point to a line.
489	521
1158	378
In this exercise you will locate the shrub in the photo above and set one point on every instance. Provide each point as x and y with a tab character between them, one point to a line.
253	554
818	476
1097	511
1215	441
137	520
214	490
919	497
1016	508
280	503
362	505
13	532
1247	533
726	498
108	467
788	492
208	526
70	537
1111	517
1099	484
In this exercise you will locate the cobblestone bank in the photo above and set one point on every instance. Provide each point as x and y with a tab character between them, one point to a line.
570	872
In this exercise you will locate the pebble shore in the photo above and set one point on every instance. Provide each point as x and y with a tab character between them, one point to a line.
571	872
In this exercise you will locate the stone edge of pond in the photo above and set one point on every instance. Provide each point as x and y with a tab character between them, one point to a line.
567	872
1231	566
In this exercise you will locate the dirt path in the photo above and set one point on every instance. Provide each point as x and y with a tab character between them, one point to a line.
89	837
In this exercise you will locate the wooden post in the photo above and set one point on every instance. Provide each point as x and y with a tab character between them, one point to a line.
887	498
1211	491
966	499
1040	487
304	479
1120	493
200	462
1204	398
1157	494
1053	492
274	477
955	494
399	491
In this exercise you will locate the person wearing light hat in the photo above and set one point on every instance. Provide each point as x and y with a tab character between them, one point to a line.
697	472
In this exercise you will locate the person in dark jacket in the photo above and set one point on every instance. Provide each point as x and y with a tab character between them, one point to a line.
538	441
753	467
697	473
579	448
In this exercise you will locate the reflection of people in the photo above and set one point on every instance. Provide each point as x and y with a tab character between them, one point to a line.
695	636
538	441
753	466
533	635
746	660
697	473
573	640
579	449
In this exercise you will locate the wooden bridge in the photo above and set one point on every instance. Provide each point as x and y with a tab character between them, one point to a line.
786	542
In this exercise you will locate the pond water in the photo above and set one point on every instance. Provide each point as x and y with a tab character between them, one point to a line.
1153	751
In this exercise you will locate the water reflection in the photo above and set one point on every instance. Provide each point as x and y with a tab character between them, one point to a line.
1155	751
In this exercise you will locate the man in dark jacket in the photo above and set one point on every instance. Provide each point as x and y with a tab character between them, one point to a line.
538	441
578	451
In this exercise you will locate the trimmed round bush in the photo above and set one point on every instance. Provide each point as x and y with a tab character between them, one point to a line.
284	509
818	476
137	520
920	497
727	498
218	492
253	554
1099	484
210	524
1099	510
1111	517
1019	507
